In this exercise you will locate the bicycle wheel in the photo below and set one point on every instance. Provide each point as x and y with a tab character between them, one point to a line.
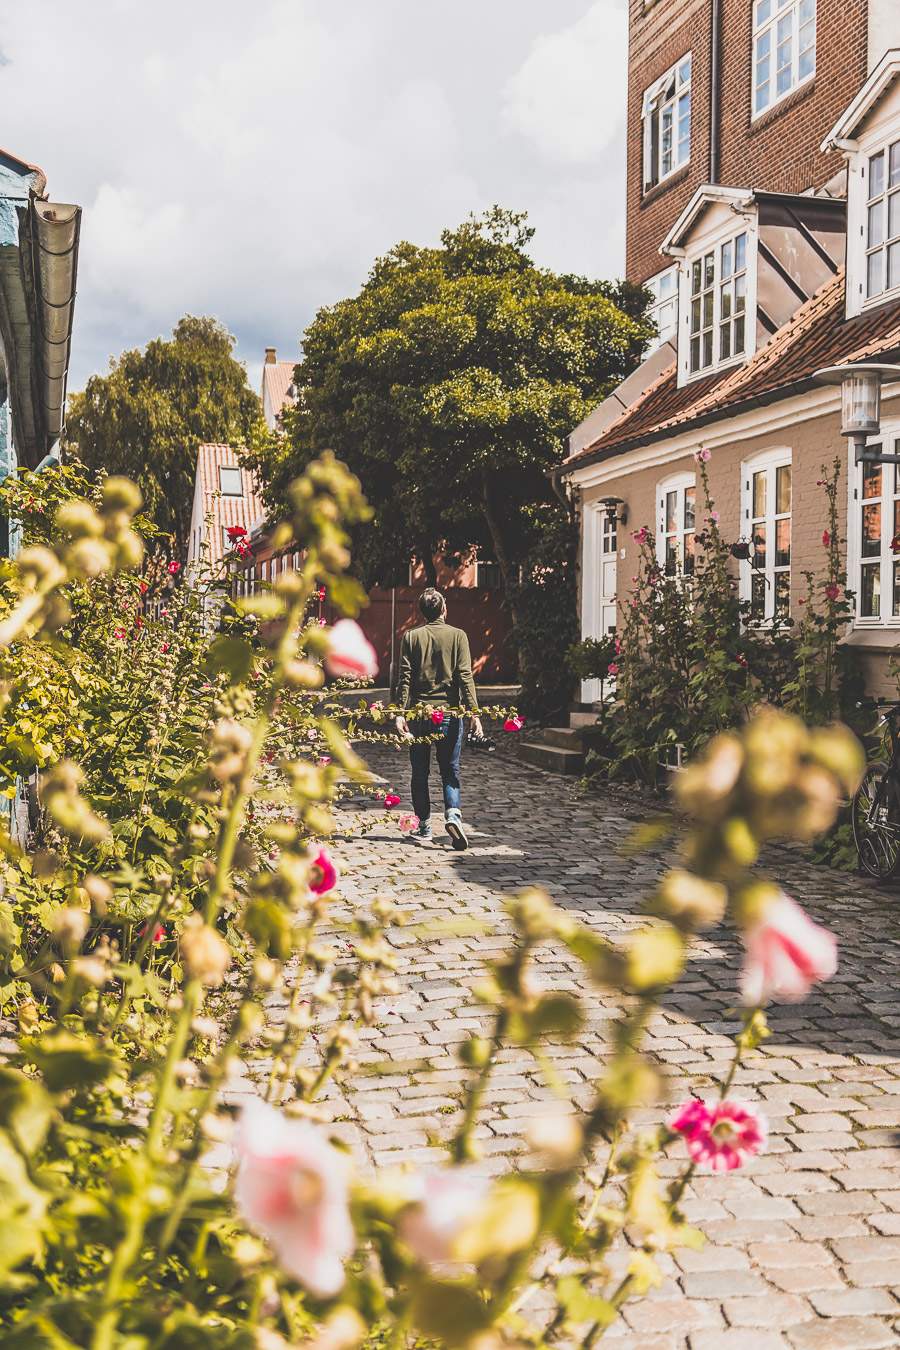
876	824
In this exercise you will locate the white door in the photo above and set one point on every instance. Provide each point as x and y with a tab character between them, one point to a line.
602	613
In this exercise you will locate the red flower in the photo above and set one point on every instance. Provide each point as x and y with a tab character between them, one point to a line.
143	587
159	932
437	717
173	567
895	544
826	539
390	801
513	724
164	647
832	591
236	532
324	873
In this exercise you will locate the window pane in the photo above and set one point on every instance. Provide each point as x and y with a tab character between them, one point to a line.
762	85
893	265
690	497
695	278
709	270
707	308
782	543
695	353
760	483
876	175
740	253
896	606
876	225
759	546
671	512
725	303
688	564
740	293
894	179
757	597
725	342
874	274
726	261
871	479
739	334
695	316
684	71
763	12
871	530
893	215
782	594
707	349
782	489
870	591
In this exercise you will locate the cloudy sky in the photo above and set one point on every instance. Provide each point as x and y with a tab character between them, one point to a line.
252	160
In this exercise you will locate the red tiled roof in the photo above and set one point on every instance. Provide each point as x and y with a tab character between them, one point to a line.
816	336
225	511
278	377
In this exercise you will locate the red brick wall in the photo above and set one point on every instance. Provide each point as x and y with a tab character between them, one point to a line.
780	152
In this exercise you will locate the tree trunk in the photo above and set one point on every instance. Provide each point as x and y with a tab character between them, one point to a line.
428	564
497	536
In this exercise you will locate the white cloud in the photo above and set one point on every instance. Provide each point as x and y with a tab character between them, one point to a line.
568	97
252	162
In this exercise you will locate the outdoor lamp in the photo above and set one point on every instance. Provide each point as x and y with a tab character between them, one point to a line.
860	383
611	507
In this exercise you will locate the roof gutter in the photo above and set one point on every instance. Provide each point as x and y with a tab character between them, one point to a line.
56	230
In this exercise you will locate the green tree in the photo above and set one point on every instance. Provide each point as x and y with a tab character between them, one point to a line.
448	385
146	417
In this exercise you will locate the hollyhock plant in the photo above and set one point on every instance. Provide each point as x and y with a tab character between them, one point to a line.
612	669
826	539
408	822
391	800
350	653
786	954
437	716
702	456
236	532
159	932
173	567
513	724
323	875
291	1186
720	1135
832	590
442	1203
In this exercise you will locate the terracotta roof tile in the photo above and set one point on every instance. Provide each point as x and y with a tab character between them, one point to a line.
818	335
226	511
278	377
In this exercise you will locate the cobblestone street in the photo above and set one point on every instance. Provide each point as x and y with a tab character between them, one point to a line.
803	1244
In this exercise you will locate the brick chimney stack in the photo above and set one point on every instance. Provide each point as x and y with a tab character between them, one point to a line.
270	356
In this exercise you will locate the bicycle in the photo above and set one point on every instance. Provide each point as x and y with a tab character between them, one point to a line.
875	809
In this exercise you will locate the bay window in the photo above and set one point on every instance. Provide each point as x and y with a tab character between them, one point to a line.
784	49
676	524
766	575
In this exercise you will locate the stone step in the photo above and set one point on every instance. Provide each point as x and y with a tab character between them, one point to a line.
577	720
551	757
566	738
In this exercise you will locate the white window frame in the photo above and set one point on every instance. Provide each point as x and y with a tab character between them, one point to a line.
664	288
887	561
231	468
881	210
768	19
663	103
768	462
714	305
676	483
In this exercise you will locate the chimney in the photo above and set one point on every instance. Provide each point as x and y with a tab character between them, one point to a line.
270	356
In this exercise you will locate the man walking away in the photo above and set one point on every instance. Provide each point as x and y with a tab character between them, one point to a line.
436	669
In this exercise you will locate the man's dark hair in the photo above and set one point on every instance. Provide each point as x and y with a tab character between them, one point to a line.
431	604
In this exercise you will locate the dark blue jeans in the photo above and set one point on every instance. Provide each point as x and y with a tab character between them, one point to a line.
447	752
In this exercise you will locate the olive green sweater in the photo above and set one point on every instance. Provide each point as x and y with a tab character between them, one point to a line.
436	668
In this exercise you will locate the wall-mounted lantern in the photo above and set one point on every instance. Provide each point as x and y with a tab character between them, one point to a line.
613	514
860	383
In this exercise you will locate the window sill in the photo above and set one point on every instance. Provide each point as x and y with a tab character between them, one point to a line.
782	106
879	638
660	188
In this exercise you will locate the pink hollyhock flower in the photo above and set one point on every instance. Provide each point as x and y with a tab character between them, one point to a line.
173	567
324	759
292	1186
713	517
376	707
513	724
702	456
617	647
324	873
408	822
642	535
786	954
390	800
720	1135
832	591
350	652
441	1204
826	539
612	669
320	593
437	716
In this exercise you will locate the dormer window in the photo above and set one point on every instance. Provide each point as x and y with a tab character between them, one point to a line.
666	116
230	481
784	49
883	221
718	304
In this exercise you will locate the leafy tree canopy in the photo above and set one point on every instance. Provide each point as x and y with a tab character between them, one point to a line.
147	416
448	386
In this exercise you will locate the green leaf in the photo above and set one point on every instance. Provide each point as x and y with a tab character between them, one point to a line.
233	655
582	1306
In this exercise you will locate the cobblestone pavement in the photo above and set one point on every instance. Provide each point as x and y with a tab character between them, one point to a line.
804	1244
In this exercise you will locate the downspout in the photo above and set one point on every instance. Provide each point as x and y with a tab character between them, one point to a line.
715	80
561	493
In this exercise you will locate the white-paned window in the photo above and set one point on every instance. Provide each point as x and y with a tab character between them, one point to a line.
883	221
766	575
663	311
666	115
488	576
877	510
676	524
608	536
230	481
784	49
718	304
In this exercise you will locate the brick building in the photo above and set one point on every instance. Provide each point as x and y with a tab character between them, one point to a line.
764	210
